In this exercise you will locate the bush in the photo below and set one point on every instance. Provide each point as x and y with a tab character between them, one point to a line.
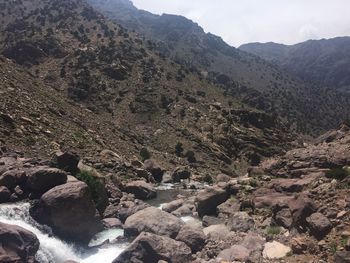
145	154
273	230
208	179
190	156
179	149
97	189
338	173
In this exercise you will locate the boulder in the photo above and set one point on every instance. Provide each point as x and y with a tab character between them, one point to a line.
282	216
319	225
193	237
125	209
208	199
216	231
141	190
153	167
235	253
69	210
253	242
240	222
17	244
342	257
211	220
180	173
228	208
172	206
4	194
223	178
151	248
153	220
301	208
111	223
67	161
11	178
275	250
42	178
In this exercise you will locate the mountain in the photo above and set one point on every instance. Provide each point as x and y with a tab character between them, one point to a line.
324	62
309	108
72	79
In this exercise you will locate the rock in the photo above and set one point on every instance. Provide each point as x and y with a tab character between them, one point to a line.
69	210
253	242
211	220
228	208
267	198
301	208
4	194
70	261
67	161
142	173
299	245
223	178
240	222
153	167
125	209
208	199
151	248
153	220
216	231
180	173
319	225
17	244
342	257
235	253
275	250
141	190
172	206
12	178
282	216
111	223
193	237
167	178
42	178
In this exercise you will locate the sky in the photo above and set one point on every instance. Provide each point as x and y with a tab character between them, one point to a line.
245	21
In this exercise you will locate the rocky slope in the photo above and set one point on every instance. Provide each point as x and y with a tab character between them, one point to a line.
324	62
78	81
292	208
258	83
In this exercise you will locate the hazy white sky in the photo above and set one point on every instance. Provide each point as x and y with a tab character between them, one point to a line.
243	21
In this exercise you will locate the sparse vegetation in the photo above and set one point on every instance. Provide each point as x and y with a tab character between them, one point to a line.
145	154
273	230
97	190
338	173
208	179
179	149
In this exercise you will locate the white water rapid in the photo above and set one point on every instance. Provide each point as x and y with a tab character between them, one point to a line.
54	250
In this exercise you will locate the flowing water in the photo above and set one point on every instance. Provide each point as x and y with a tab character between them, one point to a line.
54	250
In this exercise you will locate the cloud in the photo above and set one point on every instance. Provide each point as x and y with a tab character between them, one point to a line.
282	21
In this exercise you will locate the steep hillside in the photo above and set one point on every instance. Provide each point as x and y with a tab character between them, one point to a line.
325	62
249	78
88	84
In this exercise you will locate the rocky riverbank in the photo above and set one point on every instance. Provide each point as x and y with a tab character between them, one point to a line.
293	208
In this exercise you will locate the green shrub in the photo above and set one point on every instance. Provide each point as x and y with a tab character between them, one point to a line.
145	154
273	230
179	149
190	156
97	189
338	173
208	179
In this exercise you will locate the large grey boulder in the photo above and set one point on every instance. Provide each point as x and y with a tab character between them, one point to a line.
69	210
192	236
151	248
42	178
240	222
17	244
207	200
153	220
319	225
